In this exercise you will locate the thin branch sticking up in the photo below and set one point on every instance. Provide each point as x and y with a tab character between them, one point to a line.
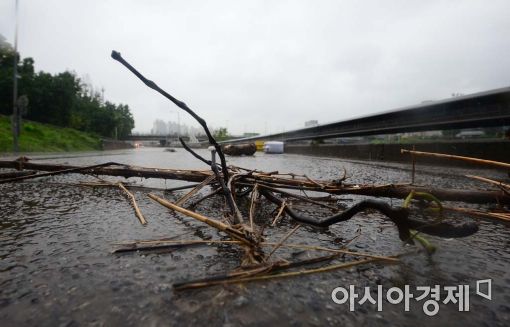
117	56
207	196
253	203
280	212
193	153
131	197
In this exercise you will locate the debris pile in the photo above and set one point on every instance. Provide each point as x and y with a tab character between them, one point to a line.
232	183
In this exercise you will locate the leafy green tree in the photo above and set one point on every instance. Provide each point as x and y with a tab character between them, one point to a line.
52	98
6	76
61	99
221	134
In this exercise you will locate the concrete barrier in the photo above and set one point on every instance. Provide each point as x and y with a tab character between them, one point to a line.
498	150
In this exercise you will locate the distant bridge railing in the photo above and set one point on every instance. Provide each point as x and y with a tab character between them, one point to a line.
159	137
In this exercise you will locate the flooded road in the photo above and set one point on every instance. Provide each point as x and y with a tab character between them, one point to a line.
57	268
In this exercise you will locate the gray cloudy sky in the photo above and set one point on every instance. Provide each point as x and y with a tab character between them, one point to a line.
268	66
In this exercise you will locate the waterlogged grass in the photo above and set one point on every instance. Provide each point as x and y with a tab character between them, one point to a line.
37	137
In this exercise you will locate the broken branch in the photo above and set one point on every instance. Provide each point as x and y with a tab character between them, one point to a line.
131	197
491	163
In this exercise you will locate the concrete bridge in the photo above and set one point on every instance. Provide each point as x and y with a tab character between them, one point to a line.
484	109
161	139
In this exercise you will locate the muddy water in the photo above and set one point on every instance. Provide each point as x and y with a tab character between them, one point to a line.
56	266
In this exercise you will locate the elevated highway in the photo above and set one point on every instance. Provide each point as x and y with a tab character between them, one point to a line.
484	109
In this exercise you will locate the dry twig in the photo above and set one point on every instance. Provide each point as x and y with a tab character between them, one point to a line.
131	197
197	188
490	181
234	233
183	286
484	162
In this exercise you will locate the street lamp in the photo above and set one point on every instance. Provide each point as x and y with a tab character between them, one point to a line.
15	112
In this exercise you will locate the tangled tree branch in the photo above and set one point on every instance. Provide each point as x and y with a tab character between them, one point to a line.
399	216
117	56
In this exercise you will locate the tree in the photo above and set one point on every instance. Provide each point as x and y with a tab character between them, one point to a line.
25	70
221	134
6	76
61	99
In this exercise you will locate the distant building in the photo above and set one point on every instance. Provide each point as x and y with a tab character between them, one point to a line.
311	123
159	127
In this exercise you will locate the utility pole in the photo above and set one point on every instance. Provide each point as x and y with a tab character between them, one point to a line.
15	112
178	124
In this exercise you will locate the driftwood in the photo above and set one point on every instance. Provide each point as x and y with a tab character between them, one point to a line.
399	216
15	174
131	186
247	149
54	172
399	191
124	171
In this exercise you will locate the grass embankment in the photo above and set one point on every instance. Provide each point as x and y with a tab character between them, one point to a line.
37	137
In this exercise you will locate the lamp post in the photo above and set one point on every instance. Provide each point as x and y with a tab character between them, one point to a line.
178	124
15	111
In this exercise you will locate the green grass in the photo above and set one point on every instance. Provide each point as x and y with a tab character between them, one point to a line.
37	137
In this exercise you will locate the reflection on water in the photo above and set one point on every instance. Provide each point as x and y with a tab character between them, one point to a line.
56	266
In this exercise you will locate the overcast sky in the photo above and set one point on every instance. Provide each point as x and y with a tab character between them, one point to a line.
268	66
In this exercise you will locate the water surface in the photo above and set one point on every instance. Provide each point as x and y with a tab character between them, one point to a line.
57	268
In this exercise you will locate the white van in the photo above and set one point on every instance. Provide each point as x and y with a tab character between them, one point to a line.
273	147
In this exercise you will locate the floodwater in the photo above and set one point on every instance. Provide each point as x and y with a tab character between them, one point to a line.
57	269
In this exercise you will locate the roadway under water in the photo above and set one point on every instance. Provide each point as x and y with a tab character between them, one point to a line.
57	269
